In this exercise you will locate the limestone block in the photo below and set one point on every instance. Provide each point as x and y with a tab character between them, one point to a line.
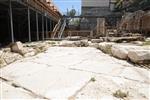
139	56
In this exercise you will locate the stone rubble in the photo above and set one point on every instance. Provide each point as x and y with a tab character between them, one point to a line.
106	47
125	39
17	47
136	54
81	43
97	40
94	45
147	39
18	50
10	57
138	43
74	38
2	62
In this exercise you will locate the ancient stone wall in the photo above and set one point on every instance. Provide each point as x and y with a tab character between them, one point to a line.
138	21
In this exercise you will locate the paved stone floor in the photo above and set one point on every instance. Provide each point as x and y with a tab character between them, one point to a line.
73	73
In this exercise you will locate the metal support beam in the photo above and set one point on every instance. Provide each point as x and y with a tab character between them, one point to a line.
50	25
11	21
37	27
53	24
42	27
29	25
46	29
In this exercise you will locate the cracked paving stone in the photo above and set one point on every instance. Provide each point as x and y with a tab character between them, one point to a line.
64	73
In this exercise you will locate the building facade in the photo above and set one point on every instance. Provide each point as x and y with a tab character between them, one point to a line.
97	7
93	10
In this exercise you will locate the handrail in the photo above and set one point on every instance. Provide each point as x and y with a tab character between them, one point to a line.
62	29
57	26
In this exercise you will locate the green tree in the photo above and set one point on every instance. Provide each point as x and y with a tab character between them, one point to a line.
71	13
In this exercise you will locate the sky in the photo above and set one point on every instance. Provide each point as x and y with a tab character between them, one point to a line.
64	4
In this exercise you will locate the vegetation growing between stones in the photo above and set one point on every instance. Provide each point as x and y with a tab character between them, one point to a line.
92	79
146	43
120	94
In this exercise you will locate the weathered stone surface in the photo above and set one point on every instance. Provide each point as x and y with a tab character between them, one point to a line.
2	62
95	45
74	38
125	39
29	54
147	39
139	43
17	47
119	51
106	47
104	87
6	49
61	72
1	52
139	56
81	43
96	40
67	43
10	57
9	92
84	43
40	48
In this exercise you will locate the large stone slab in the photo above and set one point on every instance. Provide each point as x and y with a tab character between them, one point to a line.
62	72
9	92
74	38
121	51
104	87
51	82
81	43
67	43
95	45
139	56
17	47
125	39
96	40
10	57
106	47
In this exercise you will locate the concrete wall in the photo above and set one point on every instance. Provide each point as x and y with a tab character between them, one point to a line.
97	7
95	3
95	11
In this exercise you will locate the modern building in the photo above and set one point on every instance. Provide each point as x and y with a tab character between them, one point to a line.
97	7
